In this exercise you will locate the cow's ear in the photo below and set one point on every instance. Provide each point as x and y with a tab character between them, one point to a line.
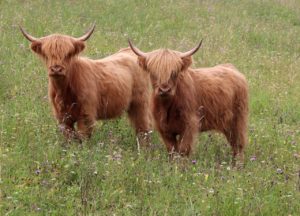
79	47
36	46
142	62
187	61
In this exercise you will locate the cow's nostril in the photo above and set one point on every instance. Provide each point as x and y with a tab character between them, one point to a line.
164	90
56	68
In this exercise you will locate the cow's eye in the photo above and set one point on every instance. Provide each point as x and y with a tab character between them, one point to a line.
173	75
68	56
153	77
44	55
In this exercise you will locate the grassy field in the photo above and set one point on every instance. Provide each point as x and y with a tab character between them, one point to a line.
40	174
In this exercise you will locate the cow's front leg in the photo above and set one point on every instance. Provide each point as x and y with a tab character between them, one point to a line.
66	125
170	142
68	131
186	140
85	126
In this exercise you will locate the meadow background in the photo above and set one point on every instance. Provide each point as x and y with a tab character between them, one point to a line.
41	174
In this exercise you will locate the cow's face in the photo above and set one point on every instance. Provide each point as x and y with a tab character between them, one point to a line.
165	89
166	67
57	50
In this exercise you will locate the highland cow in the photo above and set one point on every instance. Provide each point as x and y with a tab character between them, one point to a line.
82	90
187	100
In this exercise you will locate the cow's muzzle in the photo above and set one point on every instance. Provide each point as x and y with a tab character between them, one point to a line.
163	91
56	70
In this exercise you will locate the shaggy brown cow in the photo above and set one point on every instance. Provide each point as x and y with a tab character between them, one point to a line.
83	90
187	100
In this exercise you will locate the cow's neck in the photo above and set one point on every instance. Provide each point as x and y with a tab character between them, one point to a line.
184	99
59	84
165	102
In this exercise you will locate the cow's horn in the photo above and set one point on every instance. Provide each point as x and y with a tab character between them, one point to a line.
192	51
87	34
28	36
136	50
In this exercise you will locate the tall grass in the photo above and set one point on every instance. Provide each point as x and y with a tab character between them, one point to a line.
42	174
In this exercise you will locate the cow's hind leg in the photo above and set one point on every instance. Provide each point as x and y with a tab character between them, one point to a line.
139	115
237	137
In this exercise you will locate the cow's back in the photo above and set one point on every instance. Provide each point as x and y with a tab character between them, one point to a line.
118	77
217	89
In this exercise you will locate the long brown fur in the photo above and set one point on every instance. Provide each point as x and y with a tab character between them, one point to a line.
187	101
87	90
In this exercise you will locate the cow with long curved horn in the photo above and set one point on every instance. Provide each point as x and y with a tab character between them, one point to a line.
28	36
82	90
187	100
87	34
82	38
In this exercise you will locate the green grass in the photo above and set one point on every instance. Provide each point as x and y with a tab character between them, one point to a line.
43	175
